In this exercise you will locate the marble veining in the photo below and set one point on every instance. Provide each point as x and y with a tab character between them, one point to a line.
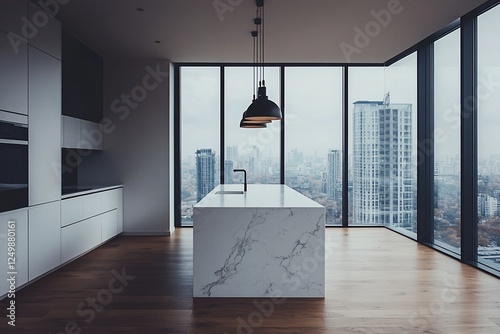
257	251
237	255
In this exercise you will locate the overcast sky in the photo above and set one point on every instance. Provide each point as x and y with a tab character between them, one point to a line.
313	105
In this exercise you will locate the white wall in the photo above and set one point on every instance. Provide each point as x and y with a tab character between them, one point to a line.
136	149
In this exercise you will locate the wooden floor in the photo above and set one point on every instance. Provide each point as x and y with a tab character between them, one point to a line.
377	282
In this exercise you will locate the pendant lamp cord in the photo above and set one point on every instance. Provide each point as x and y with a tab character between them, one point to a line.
255	35
263	45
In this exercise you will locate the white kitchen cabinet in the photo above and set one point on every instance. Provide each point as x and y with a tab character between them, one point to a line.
20	217
109	227
80	237
47	33
120	211
12	13
44	128
80	208
92	204
89	220
113	199
72	211
81	134
118	197
91	135
44	238
14	76
71	132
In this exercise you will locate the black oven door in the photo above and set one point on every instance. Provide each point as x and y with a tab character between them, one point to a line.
13	175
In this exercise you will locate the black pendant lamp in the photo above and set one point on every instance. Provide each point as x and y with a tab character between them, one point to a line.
252	124
262	110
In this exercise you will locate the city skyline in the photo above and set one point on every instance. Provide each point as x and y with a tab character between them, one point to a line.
313	130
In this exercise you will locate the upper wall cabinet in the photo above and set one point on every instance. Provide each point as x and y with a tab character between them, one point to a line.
25	22
82	71
14	19
45	30
81	134
14	75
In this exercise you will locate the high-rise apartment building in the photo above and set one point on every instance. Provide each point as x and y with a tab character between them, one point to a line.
205	172
383	180
334	182
487	205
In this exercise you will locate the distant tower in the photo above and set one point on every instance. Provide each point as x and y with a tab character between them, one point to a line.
324	182
205	172
383	181
334	174
232	153
228	171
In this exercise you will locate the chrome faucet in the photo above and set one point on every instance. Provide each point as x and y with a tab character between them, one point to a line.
245	177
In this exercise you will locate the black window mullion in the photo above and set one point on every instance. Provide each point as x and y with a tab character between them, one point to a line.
345	148
425	144
282	130
177	147
468	179
222	149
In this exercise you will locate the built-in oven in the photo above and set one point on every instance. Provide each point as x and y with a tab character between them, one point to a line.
13	161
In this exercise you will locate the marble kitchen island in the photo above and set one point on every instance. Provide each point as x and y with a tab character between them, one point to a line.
267	242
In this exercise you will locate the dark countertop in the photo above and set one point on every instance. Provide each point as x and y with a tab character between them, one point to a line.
73	191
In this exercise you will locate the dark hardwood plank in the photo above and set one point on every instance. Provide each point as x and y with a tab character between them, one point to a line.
378	282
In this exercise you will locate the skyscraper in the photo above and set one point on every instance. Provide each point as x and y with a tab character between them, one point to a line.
324	182
232	153
228	171
205	172
382	172
334	174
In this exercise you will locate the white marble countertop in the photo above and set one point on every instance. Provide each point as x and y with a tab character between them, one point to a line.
257	196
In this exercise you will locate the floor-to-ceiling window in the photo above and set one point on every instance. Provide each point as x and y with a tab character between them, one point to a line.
397	121
488	137
381	178
313	136
377	108
366	98
446	144
255	150
199	142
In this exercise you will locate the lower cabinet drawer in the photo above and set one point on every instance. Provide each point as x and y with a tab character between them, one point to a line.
71	211
80	237
109	225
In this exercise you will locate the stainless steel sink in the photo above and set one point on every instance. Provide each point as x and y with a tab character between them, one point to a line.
229	192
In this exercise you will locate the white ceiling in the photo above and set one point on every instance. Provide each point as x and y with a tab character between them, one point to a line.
296	30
